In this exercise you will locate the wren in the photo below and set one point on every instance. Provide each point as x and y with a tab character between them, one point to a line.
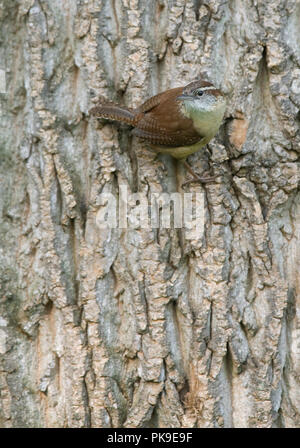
178	121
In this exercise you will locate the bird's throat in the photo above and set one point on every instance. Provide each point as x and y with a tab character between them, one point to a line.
206	121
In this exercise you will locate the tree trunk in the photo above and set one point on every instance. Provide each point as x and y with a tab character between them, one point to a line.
128	326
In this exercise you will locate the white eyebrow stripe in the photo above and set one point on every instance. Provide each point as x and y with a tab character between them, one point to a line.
208	88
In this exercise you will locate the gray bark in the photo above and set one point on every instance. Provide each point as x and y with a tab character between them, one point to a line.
136	327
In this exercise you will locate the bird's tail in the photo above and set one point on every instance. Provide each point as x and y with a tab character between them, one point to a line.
114	112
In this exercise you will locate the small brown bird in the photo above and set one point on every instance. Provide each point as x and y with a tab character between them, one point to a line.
178	121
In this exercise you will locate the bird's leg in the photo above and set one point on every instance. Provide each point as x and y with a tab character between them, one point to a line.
196	177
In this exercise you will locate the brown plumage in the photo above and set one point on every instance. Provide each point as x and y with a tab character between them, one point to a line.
152	122
177	122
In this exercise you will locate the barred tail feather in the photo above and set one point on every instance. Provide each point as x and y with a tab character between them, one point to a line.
114	112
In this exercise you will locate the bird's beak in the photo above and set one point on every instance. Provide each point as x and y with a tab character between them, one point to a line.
185	97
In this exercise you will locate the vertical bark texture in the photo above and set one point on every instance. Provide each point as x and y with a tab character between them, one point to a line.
111	328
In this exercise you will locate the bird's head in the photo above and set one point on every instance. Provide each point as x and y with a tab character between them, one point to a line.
201	96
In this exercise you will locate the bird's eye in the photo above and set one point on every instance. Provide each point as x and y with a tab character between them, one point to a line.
199	92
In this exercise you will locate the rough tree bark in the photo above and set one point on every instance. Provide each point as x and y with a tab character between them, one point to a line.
135	327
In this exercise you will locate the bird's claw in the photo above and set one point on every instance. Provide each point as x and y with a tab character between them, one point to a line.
200	179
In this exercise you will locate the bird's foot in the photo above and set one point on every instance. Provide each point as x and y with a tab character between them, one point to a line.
200	179
196	177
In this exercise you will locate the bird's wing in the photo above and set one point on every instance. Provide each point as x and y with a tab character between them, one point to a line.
162	138
158	99
160	122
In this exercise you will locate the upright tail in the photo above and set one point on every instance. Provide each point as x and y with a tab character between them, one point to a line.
114	112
